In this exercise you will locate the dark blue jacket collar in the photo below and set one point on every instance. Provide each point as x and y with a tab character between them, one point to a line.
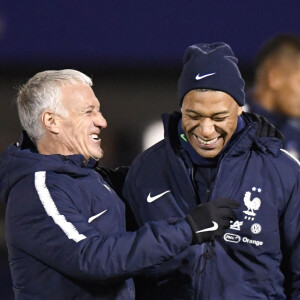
77	159
20	160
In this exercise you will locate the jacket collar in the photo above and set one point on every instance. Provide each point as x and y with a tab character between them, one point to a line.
77	159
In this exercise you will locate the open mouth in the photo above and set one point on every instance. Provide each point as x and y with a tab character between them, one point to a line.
206	142
95	137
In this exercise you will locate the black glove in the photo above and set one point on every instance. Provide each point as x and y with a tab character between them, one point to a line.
211	219
115	177
264	127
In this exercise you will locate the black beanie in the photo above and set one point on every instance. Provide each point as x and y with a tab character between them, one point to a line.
211	66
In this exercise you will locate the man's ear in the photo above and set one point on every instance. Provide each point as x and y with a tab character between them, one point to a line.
240	110
50	121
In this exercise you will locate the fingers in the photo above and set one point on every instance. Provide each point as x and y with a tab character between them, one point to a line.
228	214
211	219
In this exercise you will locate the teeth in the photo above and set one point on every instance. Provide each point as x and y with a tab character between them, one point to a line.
95	137
207	142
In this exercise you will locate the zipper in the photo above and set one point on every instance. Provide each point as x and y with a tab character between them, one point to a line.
187	165
212	192
201	258
190	172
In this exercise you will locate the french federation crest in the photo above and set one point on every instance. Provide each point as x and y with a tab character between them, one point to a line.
252	204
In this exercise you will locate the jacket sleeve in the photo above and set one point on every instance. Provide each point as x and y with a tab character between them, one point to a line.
290	232
57	234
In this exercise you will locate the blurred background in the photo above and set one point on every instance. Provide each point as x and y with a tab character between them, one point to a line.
133	50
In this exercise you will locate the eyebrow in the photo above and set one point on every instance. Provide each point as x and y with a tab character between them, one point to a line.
213	115
90	107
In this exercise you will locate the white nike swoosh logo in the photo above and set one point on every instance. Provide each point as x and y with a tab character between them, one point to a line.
198	77
151	199
215	227
96	216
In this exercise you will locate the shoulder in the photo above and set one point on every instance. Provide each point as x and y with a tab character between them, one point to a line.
287	167
149	165
289	160
153	154
39	183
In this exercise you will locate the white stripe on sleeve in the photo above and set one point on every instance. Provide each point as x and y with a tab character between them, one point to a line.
290	155
51	209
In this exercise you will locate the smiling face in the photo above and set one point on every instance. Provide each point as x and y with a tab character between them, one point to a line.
209	120
79	131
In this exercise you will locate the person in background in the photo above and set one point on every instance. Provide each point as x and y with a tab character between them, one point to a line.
65	225
211	150
276	90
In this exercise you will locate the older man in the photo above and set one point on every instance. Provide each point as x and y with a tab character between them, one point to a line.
65	226
211	150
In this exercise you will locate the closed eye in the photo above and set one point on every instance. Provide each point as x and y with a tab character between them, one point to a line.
194	117
219	119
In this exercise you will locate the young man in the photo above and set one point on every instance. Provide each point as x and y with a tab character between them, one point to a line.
65	226
276	90
211	150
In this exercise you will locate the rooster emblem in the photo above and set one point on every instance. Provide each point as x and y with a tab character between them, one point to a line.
252	205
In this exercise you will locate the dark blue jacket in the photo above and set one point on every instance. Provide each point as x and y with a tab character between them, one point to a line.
65	230
259	255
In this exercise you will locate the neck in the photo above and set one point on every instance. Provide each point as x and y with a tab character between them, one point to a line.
49	146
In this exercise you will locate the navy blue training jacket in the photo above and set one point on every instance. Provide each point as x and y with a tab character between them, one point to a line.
259	256
65	230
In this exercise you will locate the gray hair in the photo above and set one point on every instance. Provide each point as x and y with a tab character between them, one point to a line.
41	92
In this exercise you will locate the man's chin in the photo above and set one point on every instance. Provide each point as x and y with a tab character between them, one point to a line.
208	153
98	155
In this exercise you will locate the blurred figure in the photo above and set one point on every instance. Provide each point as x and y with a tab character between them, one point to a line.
276	90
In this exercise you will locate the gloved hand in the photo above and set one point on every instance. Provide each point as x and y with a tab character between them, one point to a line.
115	177
264	127
211	219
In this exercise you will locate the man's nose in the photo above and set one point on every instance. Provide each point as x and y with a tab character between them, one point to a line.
100	121
206	127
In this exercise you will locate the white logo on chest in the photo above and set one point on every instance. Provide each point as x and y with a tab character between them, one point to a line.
151	199
96	216
236	225
251	204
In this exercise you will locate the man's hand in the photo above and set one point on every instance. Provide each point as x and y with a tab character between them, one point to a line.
115	177
211	219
